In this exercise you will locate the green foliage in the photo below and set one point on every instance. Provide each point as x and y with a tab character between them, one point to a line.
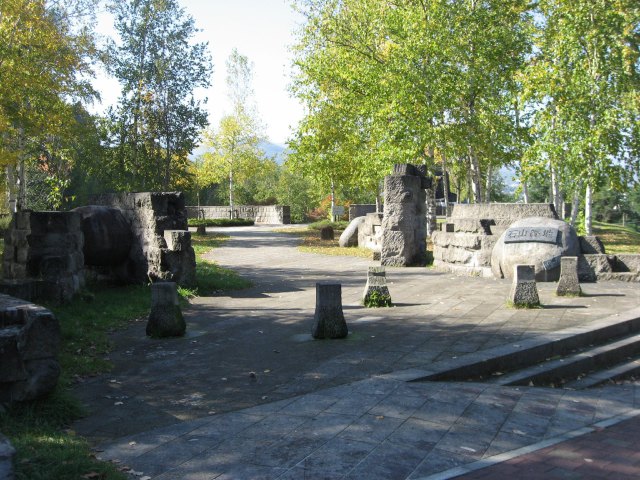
386	83
220	222
46	58
377	299
158	120
340	225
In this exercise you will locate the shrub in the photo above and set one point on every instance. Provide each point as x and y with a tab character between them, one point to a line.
220	222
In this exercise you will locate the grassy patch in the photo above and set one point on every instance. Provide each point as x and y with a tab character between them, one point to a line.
87	322
220	222
210	277
45	448
616	238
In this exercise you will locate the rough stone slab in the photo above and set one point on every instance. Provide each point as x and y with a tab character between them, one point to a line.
329	319
591	244
165	319
591	267
627	262
568	285
509	212
376	282
524	291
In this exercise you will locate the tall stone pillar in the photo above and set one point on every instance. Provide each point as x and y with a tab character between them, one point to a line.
404	233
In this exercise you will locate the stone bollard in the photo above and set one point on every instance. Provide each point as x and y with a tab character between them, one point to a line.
376	293
524	292
568	285
326	233
7	452
329	320
165	319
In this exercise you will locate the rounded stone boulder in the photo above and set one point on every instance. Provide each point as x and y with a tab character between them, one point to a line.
107	235
534	241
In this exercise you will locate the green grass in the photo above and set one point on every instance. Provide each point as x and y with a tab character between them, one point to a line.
220	222
46	448
211	279
616	238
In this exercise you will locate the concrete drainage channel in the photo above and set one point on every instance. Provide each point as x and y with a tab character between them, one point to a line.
574	358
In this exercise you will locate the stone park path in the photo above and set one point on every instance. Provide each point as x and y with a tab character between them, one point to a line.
248	394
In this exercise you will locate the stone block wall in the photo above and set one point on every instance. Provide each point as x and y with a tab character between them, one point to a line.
161	247
465	242
262	214
370	232
43	256
360	210
29	343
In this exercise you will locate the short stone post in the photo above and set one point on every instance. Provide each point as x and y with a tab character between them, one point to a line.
376	293
568	285
327	233
329	320
165	319
524	291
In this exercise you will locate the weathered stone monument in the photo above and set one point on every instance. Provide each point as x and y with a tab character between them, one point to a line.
370	232
43	256
165	318
537	241
568	285
29	343
329	319
404	220
376	290
465	241
524	291
152	256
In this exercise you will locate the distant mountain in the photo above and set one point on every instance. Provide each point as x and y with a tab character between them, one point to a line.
279	152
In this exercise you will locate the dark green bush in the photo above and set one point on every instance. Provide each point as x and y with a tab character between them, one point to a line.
340	225
220	222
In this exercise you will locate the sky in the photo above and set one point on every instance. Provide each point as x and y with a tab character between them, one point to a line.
263	31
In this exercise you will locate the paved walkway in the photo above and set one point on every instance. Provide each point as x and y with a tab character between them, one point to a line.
248	394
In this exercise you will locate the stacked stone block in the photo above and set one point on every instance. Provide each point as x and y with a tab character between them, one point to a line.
29	343
404	221
155	255
370	232
43	256
465	242
261	214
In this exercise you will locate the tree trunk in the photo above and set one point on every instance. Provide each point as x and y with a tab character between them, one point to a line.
378	197
333	201
231	193
587	211
12	182
445	181
556	194
525	191
575	206
487	190
476	181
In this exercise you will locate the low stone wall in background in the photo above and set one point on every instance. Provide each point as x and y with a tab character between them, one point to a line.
265	214
360	210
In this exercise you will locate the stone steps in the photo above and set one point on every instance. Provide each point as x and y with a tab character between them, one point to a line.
556	371
602	350
593	379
